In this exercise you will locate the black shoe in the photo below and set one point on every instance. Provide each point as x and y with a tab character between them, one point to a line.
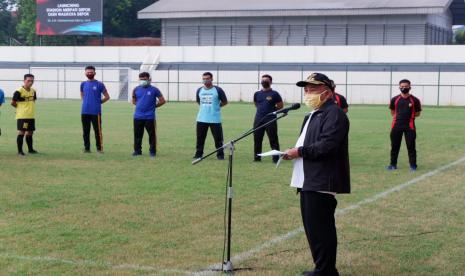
33	152
197	156
307	273
220	157
153	154
136	153
21	153
257	160
86	151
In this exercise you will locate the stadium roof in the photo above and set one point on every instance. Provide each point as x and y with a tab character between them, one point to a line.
458	12
163	9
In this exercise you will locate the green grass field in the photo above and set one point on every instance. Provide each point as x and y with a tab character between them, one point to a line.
65	212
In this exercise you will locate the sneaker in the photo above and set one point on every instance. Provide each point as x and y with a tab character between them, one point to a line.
197	156
100	151
413	168
391	167
33	152
136	153
220	157
153	154
86	150
21	153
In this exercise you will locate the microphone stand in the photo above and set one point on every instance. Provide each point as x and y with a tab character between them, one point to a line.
227	265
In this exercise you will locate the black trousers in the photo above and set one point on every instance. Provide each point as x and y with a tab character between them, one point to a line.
202	130
396	141
96	121
150	127
318	211
272	133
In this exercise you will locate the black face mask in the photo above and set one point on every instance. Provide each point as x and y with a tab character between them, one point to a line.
405	90
90	76
266	84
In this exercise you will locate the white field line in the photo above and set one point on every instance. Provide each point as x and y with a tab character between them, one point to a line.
242	256
254	251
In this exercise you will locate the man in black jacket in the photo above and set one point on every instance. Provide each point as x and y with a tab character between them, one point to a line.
321	170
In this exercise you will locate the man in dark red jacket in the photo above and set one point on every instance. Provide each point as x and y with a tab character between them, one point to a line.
405	108
340	100
321	170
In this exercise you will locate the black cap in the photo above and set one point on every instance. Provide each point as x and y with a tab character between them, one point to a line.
317	78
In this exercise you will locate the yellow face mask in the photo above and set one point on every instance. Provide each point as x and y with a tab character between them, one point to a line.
314	100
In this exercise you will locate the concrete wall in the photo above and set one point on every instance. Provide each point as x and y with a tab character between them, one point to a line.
453	54
58	82
360	87
59	70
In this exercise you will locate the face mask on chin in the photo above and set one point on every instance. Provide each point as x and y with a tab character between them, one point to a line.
314	101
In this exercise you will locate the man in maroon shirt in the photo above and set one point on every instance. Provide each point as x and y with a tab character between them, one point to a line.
405	108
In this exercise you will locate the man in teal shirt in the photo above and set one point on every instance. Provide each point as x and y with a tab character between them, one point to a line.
210	99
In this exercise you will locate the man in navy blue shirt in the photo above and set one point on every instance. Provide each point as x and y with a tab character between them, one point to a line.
145	97
91	113
2	101
266	101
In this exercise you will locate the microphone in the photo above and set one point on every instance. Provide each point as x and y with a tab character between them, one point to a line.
287	109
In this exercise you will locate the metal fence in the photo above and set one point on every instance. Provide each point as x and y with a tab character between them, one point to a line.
436	84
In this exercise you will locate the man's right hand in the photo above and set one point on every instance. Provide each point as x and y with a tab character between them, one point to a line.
291	154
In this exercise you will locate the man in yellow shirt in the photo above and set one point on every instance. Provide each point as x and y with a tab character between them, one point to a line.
24	101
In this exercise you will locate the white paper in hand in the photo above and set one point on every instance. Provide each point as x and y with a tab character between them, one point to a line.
271	153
